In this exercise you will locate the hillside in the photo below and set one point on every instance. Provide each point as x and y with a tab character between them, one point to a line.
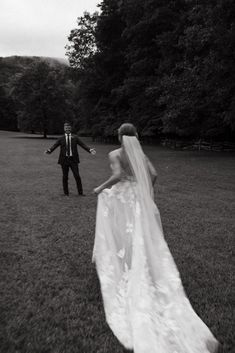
12	66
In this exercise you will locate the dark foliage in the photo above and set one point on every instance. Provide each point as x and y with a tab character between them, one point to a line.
8	119
36	94
168	66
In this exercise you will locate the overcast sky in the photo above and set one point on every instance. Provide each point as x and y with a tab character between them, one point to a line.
39	27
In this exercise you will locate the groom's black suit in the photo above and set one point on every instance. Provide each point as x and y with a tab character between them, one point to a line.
69	158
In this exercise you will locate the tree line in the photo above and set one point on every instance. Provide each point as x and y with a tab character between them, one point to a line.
36	95
167	66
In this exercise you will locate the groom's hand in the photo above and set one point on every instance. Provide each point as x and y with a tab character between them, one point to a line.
47	151
92	151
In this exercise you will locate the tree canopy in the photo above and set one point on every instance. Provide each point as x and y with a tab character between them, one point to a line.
36	95
167	66
43	98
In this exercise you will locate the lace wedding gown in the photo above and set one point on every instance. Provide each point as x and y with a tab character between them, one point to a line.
144	300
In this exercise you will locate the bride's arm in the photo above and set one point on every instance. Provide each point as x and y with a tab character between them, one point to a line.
116	175
152	171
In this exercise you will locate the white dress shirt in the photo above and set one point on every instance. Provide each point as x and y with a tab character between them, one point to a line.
68	138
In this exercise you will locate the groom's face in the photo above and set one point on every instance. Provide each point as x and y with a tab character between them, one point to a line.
67	128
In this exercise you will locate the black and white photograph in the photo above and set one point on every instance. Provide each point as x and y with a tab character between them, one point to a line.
117	176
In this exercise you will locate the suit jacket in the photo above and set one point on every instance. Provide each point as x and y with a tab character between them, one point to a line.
75	141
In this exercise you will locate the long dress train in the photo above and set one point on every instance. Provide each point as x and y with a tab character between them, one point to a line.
144	300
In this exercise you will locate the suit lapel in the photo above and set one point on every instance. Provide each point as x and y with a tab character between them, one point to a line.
72	141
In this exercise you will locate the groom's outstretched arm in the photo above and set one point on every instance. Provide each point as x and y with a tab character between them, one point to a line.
85	147
52	148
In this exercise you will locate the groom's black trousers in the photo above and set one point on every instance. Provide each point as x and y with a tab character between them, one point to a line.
69	163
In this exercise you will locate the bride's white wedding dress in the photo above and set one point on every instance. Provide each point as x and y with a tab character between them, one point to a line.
144	300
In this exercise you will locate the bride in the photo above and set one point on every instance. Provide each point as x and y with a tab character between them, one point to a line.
144	300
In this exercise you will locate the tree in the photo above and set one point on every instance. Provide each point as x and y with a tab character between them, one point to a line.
8	120
166	65
82	44
197	91
100	67
44	96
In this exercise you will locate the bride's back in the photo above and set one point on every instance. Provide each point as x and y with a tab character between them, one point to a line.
124	164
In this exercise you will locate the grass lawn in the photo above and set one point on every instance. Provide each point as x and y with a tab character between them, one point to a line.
50	300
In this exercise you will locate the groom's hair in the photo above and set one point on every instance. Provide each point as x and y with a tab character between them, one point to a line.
127	129
67	123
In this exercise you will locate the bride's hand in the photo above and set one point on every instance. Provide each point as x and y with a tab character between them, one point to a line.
97	190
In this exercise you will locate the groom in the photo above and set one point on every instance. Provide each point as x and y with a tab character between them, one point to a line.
69	157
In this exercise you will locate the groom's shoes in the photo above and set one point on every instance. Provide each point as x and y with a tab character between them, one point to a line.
82	194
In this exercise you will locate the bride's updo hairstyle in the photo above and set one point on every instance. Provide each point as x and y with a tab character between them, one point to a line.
127	129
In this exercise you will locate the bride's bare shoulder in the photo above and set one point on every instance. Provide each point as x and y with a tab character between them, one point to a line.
115	153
